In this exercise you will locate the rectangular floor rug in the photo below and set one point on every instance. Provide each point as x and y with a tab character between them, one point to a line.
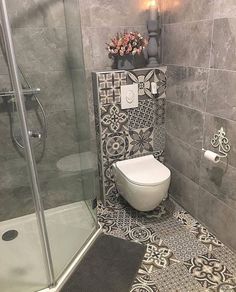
110	265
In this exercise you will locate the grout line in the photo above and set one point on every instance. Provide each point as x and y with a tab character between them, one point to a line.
201	111
200	67
188	22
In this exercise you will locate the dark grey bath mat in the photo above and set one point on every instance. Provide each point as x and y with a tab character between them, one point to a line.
109	266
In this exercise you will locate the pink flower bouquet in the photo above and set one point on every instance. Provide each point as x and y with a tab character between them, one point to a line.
128	43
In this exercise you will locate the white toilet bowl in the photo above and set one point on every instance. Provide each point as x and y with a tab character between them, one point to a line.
142	181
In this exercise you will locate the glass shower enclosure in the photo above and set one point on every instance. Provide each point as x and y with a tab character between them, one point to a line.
48	173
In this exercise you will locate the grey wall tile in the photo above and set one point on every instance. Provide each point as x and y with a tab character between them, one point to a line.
37	13
219	218
219	179
191	43
212	126
224	8
183	157
73	9
224	43
56	89
187	10
184	123
221	99
99	37
187	86
41	49
184	191
117	13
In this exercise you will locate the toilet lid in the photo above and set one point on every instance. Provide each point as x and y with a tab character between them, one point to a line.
144	170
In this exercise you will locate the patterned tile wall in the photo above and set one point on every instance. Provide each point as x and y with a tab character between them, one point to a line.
129	133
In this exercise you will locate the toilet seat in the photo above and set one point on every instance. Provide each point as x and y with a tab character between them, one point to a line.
143	171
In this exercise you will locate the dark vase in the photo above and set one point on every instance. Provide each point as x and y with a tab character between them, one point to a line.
125	62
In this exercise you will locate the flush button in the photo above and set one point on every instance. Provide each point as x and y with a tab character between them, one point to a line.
129	96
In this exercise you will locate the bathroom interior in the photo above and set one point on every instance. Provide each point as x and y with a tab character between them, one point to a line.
117	170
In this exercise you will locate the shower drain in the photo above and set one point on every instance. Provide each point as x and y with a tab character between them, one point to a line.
9	235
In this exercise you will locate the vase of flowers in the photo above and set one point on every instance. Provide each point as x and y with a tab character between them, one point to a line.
124	47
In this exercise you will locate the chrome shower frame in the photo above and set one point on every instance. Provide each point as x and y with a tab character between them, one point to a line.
29	157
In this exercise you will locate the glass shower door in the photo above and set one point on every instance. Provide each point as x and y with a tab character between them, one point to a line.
25	253
53	136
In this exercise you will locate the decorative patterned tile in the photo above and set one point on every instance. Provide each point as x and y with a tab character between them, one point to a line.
159	111
109	86
159	155
226	257
144	284
168	234
157	256
107	223
206	238
113	119
141	141
228	286
161	80
115	146
184	245
208	270
175	278
166	227
142	116
159	138
141	234
143	79
186	219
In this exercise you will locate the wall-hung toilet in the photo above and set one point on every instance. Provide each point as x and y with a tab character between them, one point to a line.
142	181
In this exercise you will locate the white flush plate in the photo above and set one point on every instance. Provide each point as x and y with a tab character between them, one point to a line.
129	96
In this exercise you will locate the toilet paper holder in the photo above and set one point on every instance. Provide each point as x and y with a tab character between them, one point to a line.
221	142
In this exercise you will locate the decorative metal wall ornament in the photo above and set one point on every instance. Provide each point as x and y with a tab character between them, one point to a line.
221	142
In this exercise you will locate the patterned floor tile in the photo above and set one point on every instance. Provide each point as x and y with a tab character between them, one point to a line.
185	218
144	284
184	245
175	278
208	270
167	227
226	257
181	255
142	116
228	286
206	237
157	256
140	234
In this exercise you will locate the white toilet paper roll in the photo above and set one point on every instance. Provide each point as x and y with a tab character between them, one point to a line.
212	156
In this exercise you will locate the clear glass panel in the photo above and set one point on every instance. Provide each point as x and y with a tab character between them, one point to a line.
49	53
22	266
